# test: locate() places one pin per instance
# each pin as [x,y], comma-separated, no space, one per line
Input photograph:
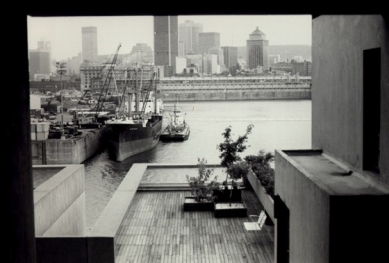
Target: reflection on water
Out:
[277,125]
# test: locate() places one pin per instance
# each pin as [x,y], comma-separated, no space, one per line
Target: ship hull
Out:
[126,140]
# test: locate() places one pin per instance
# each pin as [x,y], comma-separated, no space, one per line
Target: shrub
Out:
[201,189]
[260,165]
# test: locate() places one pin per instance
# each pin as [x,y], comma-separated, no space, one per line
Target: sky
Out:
[64,33]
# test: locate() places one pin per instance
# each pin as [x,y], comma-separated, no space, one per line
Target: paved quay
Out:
[156,229]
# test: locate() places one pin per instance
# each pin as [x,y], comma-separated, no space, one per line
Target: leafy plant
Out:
[230,150]
[201,189]
[260,165]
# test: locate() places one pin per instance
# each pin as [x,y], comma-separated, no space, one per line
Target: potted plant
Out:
[261,178]
[230,159]
[202,197]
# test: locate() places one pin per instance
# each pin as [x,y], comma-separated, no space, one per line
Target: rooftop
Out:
[156,229]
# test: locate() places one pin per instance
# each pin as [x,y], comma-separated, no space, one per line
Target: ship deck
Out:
[156,229]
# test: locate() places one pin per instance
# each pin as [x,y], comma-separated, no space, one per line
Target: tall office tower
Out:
[39,63]
[257,50]
[46,46]
[230,56]
[220,57]
[188,34]
[208,40]
[89,44]
[166,41]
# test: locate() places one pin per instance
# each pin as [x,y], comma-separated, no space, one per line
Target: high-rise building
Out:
[208,40]
[188,34]
[257,50]
[230,55]
[220,56]
[39,63]
[89,44]
[46,46]
[165,41]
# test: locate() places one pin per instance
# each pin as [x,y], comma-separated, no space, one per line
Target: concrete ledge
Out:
[264,198]
[57,199]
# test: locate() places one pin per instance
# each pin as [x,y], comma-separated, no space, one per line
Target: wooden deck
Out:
[156,229]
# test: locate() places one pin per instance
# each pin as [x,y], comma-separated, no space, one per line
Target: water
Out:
[277,125]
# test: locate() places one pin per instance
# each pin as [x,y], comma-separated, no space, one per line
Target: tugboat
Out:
[177,129]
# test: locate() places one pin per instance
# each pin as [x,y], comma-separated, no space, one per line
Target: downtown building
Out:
[257,50]
[166,42]
[89,44]
[39,64]
[230,55]
[208,40]
[188,37]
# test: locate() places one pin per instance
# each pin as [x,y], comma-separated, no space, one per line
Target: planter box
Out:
[265,199]
[191,204]
[237,209]
[223,195]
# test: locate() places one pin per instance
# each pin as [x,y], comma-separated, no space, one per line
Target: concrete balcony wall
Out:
[337,86]
[59,203]
[333,217]
[309,208]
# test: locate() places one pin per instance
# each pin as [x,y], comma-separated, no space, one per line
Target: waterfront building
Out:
[208,40]
[188,34]
[257,50]
[39,64]
[230,55]
[89,44]
[165,41]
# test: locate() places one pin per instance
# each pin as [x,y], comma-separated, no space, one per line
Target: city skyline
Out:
[65,36]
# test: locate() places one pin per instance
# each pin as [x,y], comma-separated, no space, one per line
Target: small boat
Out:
[177,129]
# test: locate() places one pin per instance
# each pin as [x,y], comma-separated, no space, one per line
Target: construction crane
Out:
[107,82]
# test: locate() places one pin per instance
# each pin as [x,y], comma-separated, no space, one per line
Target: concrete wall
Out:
[309,226]
[69,151]
[59,203]
[337,86]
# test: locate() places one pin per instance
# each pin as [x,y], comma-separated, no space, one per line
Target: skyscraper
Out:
[46,46]
[257,50]
[39,63]
[89,44]
[188,34]
[230,56]
[165,40]
[208,40]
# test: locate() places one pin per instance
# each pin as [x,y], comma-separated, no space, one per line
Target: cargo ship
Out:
[137,125]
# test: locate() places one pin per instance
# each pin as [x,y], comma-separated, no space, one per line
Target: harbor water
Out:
[284,124]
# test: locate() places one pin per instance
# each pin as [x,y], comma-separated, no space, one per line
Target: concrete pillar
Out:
[17,180]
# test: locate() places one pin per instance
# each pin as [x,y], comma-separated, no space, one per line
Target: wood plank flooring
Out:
[156,229]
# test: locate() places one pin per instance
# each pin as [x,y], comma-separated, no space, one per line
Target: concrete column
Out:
[17,183]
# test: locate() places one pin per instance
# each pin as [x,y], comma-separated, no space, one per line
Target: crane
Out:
[107,82]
